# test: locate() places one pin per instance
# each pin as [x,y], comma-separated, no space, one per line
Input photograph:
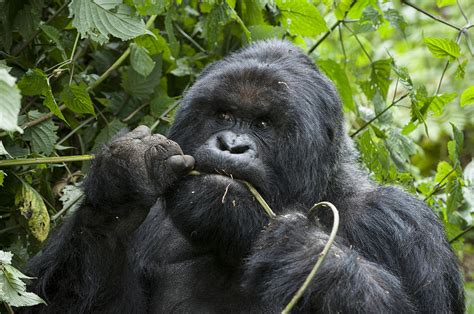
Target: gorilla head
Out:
[266,115]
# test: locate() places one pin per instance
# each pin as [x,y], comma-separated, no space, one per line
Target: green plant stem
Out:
[44,160]
[360,43]
[458,39]
[378,115]
[461,234]
[439,185]
[322,256]
[252,190]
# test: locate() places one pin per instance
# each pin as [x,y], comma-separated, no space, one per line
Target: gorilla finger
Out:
[180,164]
[139,132]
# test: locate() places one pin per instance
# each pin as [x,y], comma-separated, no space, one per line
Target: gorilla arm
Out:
[384,260]
[86,268]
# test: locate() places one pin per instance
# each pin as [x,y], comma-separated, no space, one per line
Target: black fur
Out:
[267,115]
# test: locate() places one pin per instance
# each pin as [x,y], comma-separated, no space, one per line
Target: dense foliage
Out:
[73,73]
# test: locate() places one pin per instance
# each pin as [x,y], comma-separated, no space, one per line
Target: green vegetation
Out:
[73,73]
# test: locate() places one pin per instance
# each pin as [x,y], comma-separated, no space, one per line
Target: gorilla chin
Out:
[217,214]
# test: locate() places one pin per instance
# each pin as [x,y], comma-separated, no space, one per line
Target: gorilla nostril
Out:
[239,149]
[221,144]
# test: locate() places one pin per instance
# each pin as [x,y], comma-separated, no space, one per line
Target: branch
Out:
[430,15]
[378,115]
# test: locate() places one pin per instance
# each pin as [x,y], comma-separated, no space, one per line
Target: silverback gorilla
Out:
[151,239]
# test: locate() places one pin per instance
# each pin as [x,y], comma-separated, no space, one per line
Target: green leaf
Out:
[396,20]
[140,60]
[151,7]
[137,85]
[338,75]
[467,97]
[54,34]
[2,177]
[443,3]
[155,45]
[32,208]
[77,99]
[35,82]
[10,102]
[41,136]
[301,18]
[107,133]
[440,101]
[261,32]
[213,25]
[97,19]
[13,289]
[443,47]
[443,172]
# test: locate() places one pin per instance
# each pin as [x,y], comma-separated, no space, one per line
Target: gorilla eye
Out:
[224,116]
[261,124]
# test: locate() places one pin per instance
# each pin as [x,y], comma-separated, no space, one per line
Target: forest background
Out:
[73,73]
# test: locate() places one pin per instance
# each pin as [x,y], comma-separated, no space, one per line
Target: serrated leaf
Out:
[396,20]
[32,208]
[77,99]
[467,97]
[443,47]
[10,102]
[301,18]
[13,289]
[71,198]
[98,19]
[440,101]
[137,85]
[443,172]
[35,82]
[54,34]
[337,74]
[140,60]
[5,257]
[41,136]
[107,133]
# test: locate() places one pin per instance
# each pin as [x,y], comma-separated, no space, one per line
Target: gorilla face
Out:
[267,116]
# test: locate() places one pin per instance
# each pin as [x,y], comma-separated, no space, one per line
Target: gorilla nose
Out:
[235,144]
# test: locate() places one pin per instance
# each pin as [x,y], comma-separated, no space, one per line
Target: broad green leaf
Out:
[140,60]
[443,172]
[261,32]
[107,133]
[461,70]
[443,3]
[32,208]
[379,79]
[443,47]
[2,177]
[213,25]
[252,12]
[467,97]
[54,34]
[401,147]
[97,19]
[10,102]
[137,85]
[35,82]
[440,101]
[42,136]
[338,75]
[301,18]
[77,99]
[13,289]
[156,45]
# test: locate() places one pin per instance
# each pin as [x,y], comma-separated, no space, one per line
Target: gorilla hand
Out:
[133,171]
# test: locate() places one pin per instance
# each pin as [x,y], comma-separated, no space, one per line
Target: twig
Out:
[360,43]
[430,15]
[378,115]
[438,185]
[322,256]
[168,110]
[33,36]
[182,32]
[462,12]
[72,57]
[44,160]
[461,234]
[458,39]
[333,27]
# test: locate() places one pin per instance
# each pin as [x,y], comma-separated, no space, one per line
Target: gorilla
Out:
[149,238]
